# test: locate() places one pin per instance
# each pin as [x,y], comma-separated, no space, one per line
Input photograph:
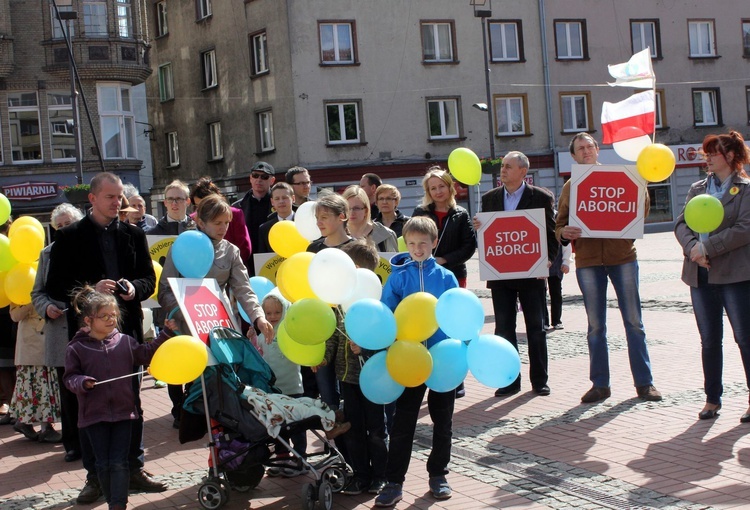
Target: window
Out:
[124,26]
[203,9]
[166,85]
[747,102]
[265,131]
[645,33]
[173,149]
[337,45]
[511,115]
[342,122]
[506,41]
[117,120]
[259,51]
[702,43]
[95,18]
[25,131]
[210,79]
[162,28]
[58,33]
[570,40]
[745,38]
[61,125]
[576,112]
[214,134]
[706,107]
[661,112]
[443,118]
[437,42]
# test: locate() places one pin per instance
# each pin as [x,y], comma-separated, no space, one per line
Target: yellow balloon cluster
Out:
[291,278]
[19,256]
[286,240]
[179,360]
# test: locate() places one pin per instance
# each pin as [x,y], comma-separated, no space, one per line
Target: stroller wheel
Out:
[325,496]
[211,495]
[308,496]
[336,477]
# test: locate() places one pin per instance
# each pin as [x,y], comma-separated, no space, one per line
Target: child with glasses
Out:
[106,409]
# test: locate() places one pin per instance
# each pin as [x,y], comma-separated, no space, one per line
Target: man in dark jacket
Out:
[103,252]
[513,195]
[176,221]
[256,204]
[282,198]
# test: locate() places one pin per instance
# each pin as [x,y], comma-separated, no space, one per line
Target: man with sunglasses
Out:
[176,202]
[299,179]
[256,204]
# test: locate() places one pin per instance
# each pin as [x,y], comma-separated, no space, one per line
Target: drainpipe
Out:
[548,93]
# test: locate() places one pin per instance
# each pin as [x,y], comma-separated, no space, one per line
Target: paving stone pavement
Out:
[524,451]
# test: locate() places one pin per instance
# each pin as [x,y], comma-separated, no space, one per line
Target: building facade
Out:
[345,88]
[38,129]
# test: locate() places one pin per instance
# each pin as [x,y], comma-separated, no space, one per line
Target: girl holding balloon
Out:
[715,241]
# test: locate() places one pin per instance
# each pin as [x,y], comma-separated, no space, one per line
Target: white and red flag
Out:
[629,118]
[636,72]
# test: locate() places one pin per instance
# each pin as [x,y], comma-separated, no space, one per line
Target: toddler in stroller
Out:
[235,399]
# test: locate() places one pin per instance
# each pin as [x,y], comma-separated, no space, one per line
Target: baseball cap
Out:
[262,166]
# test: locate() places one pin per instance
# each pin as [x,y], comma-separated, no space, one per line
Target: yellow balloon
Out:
[280,284]
[286,240]
[294,281]
[157,270]
[465,166]
[25,220]
[409,363]
[18,283]
[305,355]
[4,299]
[26,243]
[415,317]
[179,360]
[655,162]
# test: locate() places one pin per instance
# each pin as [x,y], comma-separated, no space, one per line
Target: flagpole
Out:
[651,68]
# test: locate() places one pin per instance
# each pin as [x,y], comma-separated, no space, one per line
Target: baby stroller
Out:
[240,445]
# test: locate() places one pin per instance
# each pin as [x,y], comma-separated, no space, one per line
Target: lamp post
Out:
[483,10]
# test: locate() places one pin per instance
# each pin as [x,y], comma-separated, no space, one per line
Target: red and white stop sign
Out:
[203,305]
[512,244]
[607,201]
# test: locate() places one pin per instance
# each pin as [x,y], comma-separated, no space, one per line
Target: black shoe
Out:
[542,391]
[72,456]
[376,486]
[90,492]
[508,390]
[460,391]
[709,414]
[142,481]
[176,423]
[745,418]
[355,487]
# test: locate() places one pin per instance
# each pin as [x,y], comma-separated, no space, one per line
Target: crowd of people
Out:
[85,323]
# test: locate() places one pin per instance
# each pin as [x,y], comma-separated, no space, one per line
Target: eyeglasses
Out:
[356,209]
[303,183]
[264,177]
[707,155]
[108,317]
[175,200]
[386,199]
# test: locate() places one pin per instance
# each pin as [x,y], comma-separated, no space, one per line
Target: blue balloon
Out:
[261,286]
[376,383]
[449,365]
[370,324]
[193,254]
[493,361]
[460,314]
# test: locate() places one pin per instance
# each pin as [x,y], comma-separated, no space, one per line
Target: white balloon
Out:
[305,221]
[332,275]
[630,149]
[368,286]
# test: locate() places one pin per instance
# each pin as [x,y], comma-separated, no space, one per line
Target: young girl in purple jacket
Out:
[106,410]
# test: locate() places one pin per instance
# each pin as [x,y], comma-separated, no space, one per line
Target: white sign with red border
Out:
[204,305]
[607,201]
[512,245]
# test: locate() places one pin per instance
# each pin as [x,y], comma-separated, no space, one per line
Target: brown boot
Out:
[338,429]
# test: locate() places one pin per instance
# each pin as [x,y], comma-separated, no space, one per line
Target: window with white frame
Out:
[660,121]
[25,130]
[336,43]
[57,32]
[342,122]
[706,107]
[437,41]
[575,110]
[644,33]
[746,38]
[2,162]
[443,118]
[702,42]
[265,131]
[162,27]
[166,84]
[210,79]
[117,120]
[61,125]
[124,23]
[505,41]
[203,8]
[259,52]
[173,149]
[95,18]
[570,39]
[216,150]
[511,115]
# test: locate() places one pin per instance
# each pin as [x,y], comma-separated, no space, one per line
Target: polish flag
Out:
[633,115]
[636,72]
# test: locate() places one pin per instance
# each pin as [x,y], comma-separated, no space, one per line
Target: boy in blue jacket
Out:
[418,271]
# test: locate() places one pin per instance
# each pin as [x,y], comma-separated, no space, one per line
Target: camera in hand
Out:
[121,288]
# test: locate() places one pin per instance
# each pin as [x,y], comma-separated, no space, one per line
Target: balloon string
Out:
[121,377]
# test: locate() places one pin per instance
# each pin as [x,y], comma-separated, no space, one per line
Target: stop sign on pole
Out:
[512,244]
[607,201]
[203,305]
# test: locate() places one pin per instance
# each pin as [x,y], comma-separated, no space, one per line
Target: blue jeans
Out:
[111,443]
[593,284]
[709,302]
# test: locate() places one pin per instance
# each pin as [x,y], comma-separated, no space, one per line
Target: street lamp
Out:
[483,10]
